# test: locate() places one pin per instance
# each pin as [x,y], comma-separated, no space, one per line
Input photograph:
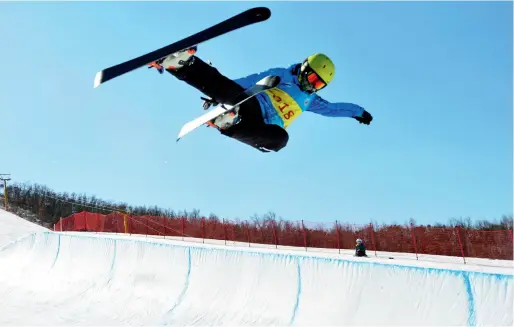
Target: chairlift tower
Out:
[4,178]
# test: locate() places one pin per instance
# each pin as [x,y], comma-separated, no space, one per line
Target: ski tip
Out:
[261,13]
[98,79]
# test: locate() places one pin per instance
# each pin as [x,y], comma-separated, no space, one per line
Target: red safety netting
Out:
[488,244]
[289,233]
[440,241]
[349,233]
[175,226]
[214,229]
[319,235]
[394,239]
[407,239]
[262,232]
[113,223]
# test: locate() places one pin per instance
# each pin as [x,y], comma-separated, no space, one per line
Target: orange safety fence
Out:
[456,242]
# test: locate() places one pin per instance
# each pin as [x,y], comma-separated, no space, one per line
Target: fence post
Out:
[203,229]
[165,224]
[125,223]
[338,239]
[182,223]
[248,232]
[275,234]
[224,230]
[304,236]
[414,239]
[373,238]
[457,230]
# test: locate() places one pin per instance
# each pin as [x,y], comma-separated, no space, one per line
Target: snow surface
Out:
[13,227]
[55,278]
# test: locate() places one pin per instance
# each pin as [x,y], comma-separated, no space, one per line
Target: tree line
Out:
[49,206]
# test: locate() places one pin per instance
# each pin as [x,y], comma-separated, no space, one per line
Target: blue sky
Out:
[436,76]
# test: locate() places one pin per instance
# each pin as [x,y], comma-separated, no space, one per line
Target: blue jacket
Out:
[285,103]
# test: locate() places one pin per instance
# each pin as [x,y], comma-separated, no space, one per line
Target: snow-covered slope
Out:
[91,279]
[13,227]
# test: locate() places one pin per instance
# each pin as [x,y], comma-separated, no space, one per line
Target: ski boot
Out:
[174,61]
[226,120]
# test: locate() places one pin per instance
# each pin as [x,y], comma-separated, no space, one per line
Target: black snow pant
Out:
[251,129]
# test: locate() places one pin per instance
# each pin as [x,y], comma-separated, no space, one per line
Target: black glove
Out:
[366,118]
[208,102]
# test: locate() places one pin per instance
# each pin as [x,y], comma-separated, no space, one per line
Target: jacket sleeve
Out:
[339,109]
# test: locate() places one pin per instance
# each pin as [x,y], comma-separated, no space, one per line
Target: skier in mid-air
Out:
[261,121]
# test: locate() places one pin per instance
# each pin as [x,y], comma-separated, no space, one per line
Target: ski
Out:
[264,84]
[248,17]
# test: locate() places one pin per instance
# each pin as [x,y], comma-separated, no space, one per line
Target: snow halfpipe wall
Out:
[68,279]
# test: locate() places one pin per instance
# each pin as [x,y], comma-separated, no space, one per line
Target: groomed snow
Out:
[51,278]
[13,227]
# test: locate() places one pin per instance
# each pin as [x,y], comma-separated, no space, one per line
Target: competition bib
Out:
[286,107]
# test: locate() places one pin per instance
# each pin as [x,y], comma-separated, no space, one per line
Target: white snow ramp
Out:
[68,279]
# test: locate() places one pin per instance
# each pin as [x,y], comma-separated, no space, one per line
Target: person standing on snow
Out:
[262,120]
[360,248]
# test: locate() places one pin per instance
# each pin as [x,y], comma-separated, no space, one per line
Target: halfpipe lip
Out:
[428,266]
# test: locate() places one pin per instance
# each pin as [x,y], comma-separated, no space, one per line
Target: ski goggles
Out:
[309,79]
[315,81]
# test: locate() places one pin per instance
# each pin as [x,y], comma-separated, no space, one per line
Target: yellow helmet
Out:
[316,72]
